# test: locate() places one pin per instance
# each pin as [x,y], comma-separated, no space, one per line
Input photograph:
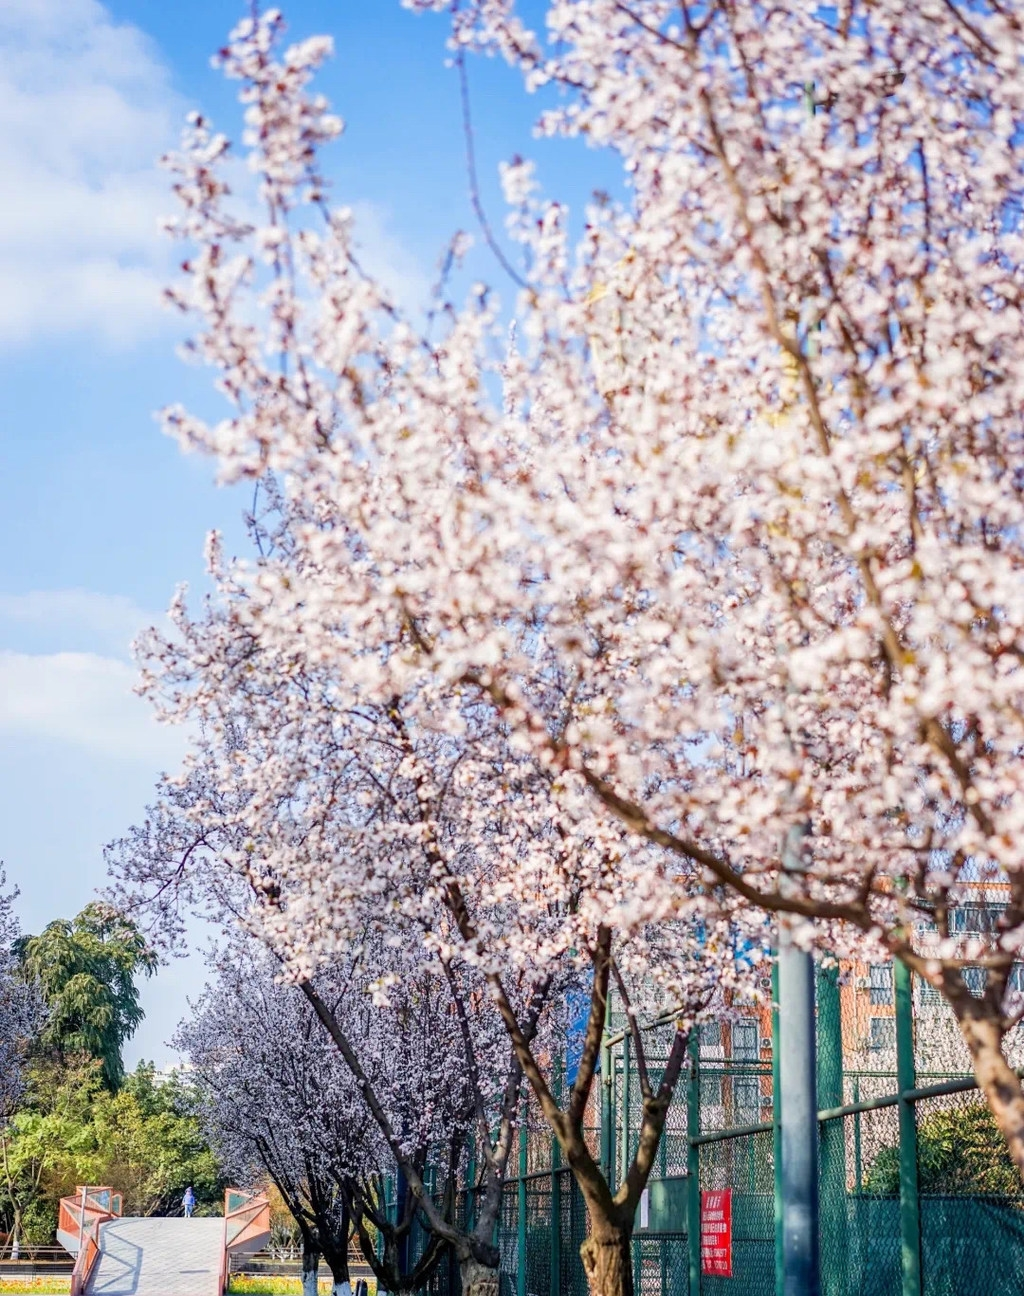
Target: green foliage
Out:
[143,1140]
[86,969]
[153,1148]
[959,1150]
[48,1145]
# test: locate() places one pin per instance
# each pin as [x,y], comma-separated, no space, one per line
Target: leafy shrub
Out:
[959,1150]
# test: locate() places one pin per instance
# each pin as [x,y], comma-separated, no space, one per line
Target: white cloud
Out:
[65,674]
[86,107]
[85,700]
[78,618]
[382,255]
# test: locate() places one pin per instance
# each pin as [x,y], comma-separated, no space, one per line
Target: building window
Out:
[710,1040]
[744,1042]
[883,1033]
[710,1089]
[1015,981]
[880,982]
[746,1096]
[975,919]
[975,979]
[928,995]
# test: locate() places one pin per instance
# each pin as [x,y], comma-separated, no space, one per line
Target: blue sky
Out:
[100,515]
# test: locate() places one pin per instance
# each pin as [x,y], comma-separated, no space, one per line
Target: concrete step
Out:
[159,1257]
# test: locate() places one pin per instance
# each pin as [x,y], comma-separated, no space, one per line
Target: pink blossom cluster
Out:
[568,628]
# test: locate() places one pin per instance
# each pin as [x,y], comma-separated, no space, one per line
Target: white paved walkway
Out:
[159,1257]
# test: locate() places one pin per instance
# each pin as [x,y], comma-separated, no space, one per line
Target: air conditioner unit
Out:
[765,982]
[766,1043]
[861,983]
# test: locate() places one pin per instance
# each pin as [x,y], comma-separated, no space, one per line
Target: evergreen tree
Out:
[86,969]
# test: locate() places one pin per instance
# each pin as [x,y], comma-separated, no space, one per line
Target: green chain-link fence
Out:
[918,1196]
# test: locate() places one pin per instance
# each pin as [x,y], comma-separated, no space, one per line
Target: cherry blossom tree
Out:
[729,534]
[343,817]
[272,1108]
[22,1015]
[21,1011]
[721,545]
[782,551]
[281,1105]
[415,1031]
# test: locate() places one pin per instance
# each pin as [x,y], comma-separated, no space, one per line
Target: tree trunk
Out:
[337,1262]
[478,1279]
[607,1261]
[310,1269]
[341,1285]
[997,1081]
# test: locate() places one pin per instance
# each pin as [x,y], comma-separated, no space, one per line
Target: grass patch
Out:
[40,1286]
[268,1285]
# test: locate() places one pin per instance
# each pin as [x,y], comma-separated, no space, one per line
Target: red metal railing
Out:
[78,1228]
[246,1226]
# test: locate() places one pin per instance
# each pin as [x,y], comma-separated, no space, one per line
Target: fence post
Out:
[798,1093]
[555,1285]
[386,1210]
[401,1203]
[776,1127]
[521,1208]
[624,1113]
[906,1079]
[832,1135]
[693,1165]
[798,1100]
[607,1080]
[471,1183]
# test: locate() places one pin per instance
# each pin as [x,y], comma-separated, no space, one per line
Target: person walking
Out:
[189,1202]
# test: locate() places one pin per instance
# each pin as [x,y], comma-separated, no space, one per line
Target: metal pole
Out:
[556,1189]
[834,1221]
[607,1151]
[389,1206]
[798,1104]
[906,1079]
[693,1167]
[521,1210]
[776,1125]
[471,1183]
[401,1205]
[798,1100]
[624,1128]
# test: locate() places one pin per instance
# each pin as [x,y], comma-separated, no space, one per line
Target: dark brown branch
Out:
[438,1223]
[600,957]
[652,1127]
[969,26]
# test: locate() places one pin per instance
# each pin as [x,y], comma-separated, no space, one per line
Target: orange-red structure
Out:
[246,1227]
[78,1227]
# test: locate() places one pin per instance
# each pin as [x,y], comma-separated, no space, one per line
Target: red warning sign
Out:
[716,1233]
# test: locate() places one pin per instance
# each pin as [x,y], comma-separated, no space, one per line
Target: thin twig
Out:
[474,187]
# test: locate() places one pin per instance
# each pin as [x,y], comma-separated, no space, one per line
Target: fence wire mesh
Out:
[918,1195]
